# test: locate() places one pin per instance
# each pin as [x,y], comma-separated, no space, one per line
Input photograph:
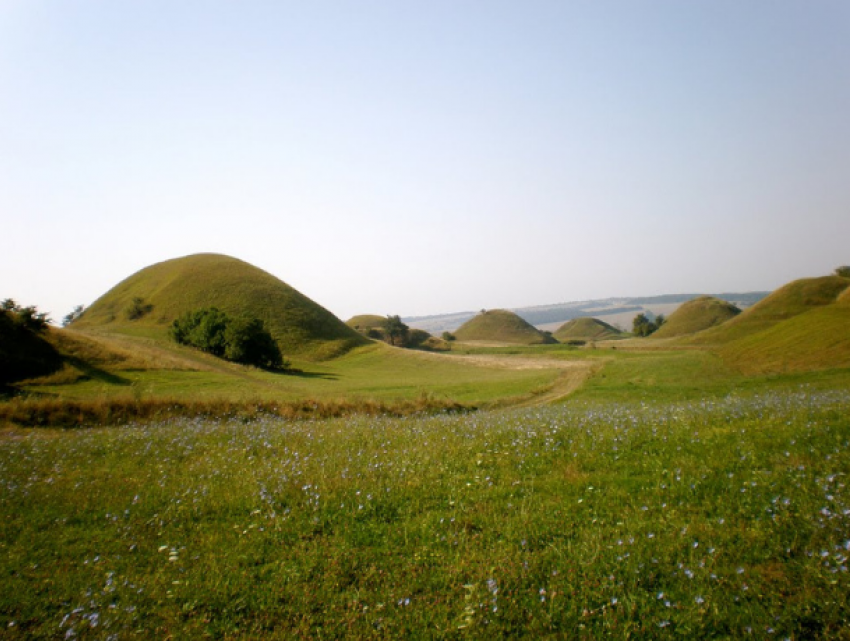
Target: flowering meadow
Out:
[720,518]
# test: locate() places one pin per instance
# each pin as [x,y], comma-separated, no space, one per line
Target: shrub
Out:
[138,308]
[242,340]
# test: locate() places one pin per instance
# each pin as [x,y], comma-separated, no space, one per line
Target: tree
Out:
[395,329]
[73,315]
[843,271]
[448,337]
[241,340]
[248,341]
[642,326]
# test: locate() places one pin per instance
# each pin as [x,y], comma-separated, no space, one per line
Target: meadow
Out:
[725,516]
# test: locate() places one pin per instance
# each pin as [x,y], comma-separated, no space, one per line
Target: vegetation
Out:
[712,519]
[175,287]
[394,330]
[242,340]
[24,352]
[499,325]
[636,492]
[696,315]
[73,315]
[786,302]
[643,326]
[843,271]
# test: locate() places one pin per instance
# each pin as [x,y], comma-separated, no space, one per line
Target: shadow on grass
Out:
[96,373]
[302,374]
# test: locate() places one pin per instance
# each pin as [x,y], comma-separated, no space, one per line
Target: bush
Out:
[138,308]
[241,340]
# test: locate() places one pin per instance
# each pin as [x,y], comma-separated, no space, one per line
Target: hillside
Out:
[153,297]
[816,339]
[586,329]
[795,298]
[696,315]
[502,326]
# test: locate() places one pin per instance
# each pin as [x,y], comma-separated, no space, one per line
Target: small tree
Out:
[395,329]
[248,341]
[642,326]
[448,337]
[73,315]
[843,271]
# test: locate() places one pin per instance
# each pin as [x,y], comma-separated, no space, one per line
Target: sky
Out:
[415,158]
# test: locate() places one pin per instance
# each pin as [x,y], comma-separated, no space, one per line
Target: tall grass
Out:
[721,518]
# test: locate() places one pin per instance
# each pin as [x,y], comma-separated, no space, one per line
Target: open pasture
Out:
[701,519]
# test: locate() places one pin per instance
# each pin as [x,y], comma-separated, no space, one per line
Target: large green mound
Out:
[696,315]
[791,300]
[502,326]
[156,295]
[586,329]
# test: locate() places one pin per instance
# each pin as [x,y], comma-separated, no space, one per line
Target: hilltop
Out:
[500,325]
[152,298]
[586,329]
[696,315]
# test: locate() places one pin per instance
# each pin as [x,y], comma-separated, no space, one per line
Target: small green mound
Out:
[502,326]
[696,315]
[364,322]
[586,329]
[786,302]
[157,295]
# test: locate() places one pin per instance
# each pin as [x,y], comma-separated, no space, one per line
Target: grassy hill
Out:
[502,326]
[795,298]
[365,322]
[152,298]
[586,329]
[817,339]
[696,315]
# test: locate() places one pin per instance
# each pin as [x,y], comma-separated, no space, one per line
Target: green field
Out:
[637,488]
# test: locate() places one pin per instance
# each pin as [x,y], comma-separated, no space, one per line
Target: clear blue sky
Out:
[410,158]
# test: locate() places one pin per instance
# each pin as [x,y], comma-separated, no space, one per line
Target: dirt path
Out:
[573,373]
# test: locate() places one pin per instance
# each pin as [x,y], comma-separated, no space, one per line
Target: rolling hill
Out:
[501,326]
[793,299]
[153,297]
[696,315]
[586,329]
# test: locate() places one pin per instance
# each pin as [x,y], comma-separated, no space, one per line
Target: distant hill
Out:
[364,322]
[156,295]
[696,315]
[552,316]
[502,326]
[586,329]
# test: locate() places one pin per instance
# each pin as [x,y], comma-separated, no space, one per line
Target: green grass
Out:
[502,326]
[374,372]
[176,286]
[702,520]
[786,302]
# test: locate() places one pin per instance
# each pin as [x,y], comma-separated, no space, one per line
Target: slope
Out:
[795,298]
[153,297]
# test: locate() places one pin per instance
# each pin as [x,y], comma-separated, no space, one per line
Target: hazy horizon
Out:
[398,158]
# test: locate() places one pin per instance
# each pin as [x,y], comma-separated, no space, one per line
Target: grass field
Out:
[705,519]
[617,493]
